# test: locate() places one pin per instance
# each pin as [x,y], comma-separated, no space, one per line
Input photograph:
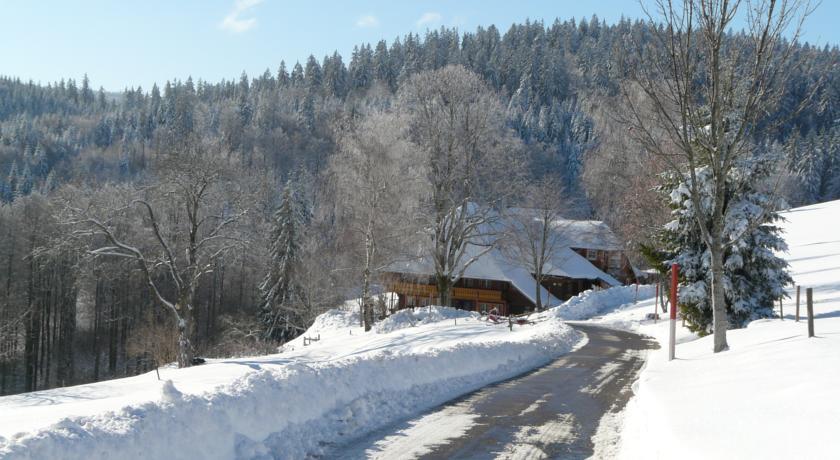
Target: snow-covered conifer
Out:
[754,276]
[280,311]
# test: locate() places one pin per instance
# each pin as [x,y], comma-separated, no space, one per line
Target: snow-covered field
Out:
[285,405]
[774,394]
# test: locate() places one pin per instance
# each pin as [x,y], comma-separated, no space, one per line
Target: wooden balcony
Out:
[427,290]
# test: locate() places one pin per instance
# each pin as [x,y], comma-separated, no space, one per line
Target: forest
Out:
[228,215]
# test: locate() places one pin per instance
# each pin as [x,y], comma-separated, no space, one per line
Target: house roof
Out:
[578,234]
[588,234]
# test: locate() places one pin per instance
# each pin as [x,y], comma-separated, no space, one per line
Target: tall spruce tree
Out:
[281,311]
[754,276]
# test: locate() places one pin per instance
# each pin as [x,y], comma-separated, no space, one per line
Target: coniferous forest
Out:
[221,212]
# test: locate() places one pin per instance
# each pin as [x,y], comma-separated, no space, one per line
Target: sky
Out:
[121,43]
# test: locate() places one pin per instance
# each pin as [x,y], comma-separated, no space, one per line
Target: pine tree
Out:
[24,183]
[281,314]
[12,182]
[282,75]
[754,277]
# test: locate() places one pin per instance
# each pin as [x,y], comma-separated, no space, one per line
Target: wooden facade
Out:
[468,294]
[612,262]
[565,288]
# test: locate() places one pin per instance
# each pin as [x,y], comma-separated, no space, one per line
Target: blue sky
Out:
[121,43]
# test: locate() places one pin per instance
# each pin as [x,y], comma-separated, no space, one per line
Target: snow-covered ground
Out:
[774,394]
[286,405]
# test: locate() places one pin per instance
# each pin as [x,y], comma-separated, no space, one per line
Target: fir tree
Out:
[754,277]
[281,313]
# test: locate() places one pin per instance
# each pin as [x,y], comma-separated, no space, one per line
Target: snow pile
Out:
[774,383]
[424,315]
[591,303]
[289,405]
[334,319]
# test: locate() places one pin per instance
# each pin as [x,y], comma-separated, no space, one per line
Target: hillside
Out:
[773,394]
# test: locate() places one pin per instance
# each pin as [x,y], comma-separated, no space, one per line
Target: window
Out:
[615,261]
[592,254]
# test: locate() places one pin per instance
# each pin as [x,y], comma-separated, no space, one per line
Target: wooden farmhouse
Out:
[590,256]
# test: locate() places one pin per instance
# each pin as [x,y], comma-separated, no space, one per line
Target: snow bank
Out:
[424,315]
[593,303]
[288,405]
[337,318]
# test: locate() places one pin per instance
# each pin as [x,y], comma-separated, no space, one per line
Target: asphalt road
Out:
[552,412]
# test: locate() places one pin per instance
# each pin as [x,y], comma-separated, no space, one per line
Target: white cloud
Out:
[367,21]
[234,22]
[429,18]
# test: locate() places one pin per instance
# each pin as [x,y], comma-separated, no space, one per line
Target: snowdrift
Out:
[288,405]
[424,315]
[591,303]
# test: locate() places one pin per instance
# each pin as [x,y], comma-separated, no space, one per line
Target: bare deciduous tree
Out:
[374,176]
[190,226]
[534,234]
[708,95]
[470,164]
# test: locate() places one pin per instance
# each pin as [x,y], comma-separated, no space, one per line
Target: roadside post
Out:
[809,300]
[672,345]
[656,304]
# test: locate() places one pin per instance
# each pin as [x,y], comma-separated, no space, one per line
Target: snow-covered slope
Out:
[774,394]
[285,405]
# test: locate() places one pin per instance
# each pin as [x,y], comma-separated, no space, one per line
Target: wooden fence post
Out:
[656,304]
[809,299]
[798,288]
[672,340]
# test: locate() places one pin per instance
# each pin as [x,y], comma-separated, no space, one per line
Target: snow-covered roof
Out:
[578,234]
[570,264]
[588,234]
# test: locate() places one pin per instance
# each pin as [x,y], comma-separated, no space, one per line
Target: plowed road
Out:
[552,412]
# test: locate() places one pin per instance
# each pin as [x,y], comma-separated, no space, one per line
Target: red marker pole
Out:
[672,345]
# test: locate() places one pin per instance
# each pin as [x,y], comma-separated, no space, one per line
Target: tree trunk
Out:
[97,323]
[185,351]
[444,286]
[112,335]
[186,327]
[367,305]
[719,322]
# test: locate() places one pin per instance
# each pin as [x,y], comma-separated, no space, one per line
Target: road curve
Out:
[552,412]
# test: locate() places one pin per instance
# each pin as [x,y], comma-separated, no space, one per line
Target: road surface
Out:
[552,412]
